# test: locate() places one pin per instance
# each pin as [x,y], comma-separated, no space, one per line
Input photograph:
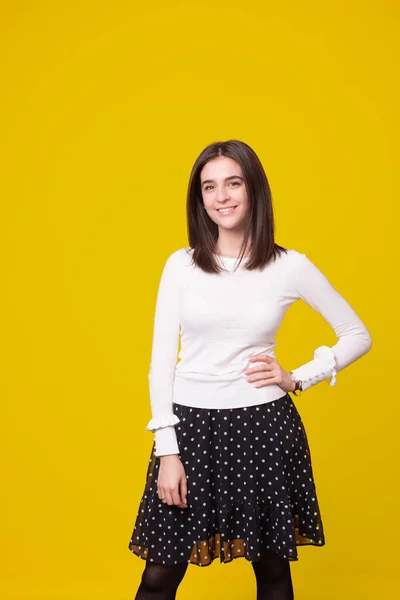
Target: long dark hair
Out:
[260,226]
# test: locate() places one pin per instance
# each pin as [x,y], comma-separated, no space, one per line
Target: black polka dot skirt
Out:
[250,486]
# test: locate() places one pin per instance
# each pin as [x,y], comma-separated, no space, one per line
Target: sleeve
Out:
[354,339]
[164,358]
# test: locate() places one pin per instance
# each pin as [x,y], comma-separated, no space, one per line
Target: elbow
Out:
[366,342]
[369,344]
[362,340]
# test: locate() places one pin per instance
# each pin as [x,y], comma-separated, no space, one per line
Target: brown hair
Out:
[260,227]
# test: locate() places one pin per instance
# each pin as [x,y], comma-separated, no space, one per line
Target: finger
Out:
[262,374]
[177,499]
[160,493]
[168,499]
[266,361]
[184,490]
[261,368]
[269,375]
[267,381]
[264,357]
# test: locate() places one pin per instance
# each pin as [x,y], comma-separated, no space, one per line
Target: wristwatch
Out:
[298,386]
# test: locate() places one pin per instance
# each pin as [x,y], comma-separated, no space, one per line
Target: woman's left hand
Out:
[268,373]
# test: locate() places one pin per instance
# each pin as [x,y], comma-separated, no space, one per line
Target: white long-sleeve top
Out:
[223,319]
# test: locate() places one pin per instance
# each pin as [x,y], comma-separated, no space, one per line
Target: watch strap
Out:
[298,386]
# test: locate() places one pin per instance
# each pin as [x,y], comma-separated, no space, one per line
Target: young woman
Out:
[230,472]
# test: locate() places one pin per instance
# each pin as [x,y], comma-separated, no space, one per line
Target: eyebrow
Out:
[226,179]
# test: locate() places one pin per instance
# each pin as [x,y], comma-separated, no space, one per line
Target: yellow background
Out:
[104,108]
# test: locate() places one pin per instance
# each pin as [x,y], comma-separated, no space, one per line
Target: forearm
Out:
[163,418]
[354,339]
[328,362]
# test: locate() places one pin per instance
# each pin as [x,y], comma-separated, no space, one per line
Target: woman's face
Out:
[223,186]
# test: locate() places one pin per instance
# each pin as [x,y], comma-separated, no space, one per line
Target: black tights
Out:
[160,582]
[274,581]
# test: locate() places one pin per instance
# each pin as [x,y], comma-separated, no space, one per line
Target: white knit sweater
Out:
[222,320]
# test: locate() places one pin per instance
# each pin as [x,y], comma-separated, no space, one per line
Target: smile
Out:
[227,210]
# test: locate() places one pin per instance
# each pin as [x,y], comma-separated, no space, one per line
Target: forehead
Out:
[219,168]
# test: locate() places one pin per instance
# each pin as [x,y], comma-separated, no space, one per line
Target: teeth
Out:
[227,209]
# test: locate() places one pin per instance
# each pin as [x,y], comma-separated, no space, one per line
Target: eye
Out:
[235,183]
[207,187]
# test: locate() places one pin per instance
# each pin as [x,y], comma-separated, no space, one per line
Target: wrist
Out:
[166,441]
[297,385]
[168,457]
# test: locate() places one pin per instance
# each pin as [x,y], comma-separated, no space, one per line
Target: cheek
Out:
[241,195]
[208,203]
[244,204]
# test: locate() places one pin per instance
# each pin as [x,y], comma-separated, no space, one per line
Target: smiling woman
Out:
[225,195]
[230,472]
[229,207]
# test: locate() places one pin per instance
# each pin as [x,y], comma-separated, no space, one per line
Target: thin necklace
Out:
[222,256]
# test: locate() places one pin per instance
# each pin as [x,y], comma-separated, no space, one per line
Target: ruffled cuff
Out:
[327,355]
[319,369]
[155,424]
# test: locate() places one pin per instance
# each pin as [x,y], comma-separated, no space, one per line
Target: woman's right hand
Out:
[172,483]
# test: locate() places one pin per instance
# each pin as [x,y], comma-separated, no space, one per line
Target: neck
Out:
[230,251]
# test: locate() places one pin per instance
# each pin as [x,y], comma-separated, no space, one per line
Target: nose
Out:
[221,194]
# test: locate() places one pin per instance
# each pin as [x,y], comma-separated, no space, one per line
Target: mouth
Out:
[226,210]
